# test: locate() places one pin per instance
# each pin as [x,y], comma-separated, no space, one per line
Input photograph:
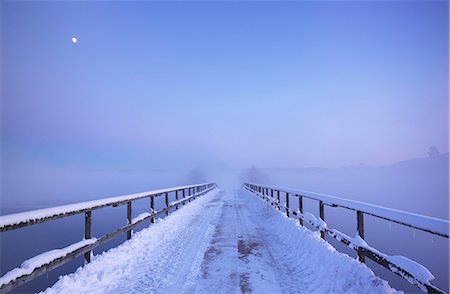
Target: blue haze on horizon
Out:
[176,84]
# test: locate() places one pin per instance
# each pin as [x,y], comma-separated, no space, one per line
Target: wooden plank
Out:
[360,229]
[167,202]
[87,233]
[278,196]
[287,204]
[271,196]
[129,218]
[152,206]
[322,217]
[300,208]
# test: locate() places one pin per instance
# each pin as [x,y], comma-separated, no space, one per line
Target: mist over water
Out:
[336,97]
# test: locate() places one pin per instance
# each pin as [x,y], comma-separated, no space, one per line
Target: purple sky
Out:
[177,84]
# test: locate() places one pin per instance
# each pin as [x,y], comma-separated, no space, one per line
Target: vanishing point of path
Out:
[223,242]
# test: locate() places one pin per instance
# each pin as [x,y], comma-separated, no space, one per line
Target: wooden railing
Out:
[434,226]
[182,195]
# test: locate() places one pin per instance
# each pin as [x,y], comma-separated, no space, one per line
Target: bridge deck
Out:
[225,242]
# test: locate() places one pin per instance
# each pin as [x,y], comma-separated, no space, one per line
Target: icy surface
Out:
[26,216]
[29,265]
[225,243]
[419,221]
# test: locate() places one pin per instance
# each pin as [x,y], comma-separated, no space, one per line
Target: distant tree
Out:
[433,151]
[254,175]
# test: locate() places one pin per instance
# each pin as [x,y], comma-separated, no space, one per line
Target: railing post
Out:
[184,192]
[322,217]
[167,203]
[287,204]
[278,197]
[360,228]
[87,233]
[271,196]
[152,206]
[129,217]
[300,208]
[176,199]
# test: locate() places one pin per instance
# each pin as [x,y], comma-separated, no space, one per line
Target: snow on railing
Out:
[410,270]
[52,259]
[421,222]
[11,221]
[29,265]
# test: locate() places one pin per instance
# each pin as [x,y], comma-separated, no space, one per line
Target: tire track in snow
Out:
[220,260]
[169,268]
[291,276]
[257,272]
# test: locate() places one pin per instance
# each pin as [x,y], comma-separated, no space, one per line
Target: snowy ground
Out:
[223,242]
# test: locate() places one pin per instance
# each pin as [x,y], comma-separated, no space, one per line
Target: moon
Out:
[74,40]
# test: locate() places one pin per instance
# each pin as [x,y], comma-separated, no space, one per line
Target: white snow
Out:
[23,217]
[140,217]
[416,220]
[417,270]
[226,243]
[319,223]
[414,268]
[29,265]
[359,242]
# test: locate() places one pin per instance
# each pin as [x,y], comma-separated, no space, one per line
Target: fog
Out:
[338,97]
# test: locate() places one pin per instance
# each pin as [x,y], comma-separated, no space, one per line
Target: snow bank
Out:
[29,265]
[38,214]
[328,270]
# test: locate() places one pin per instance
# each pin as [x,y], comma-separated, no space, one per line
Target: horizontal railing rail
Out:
[435,226]
[19,276]
[22,219]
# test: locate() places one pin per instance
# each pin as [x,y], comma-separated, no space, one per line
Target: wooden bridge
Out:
[223,242]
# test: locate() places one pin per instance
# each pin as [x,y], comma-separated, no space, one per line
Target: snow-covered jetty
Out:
[246,240]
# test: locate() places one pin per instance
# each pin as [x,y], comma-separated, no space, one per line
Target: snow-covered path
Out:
[224,242]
